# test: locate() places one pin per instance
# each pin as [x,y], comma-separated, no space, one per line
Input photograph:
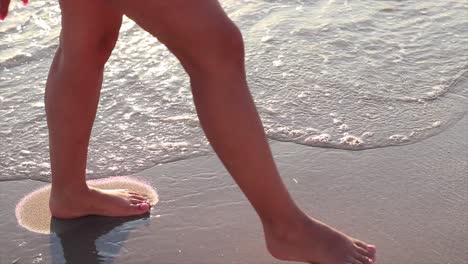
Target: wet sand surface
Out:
[411,201]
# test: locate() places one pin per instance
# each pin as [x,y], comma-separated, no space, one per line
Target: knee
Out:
[94,50]
[221,52]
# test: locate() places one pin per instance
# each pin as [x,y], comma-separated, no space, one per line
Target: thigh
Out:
[189,28]
[89,27]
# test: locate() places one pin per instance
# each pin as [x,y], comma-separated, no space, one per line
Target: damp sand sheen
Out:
[33,213]
[335,74]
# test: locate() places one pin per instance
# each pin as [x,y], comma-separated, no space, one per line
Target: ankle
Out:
[283,226]
[69,190]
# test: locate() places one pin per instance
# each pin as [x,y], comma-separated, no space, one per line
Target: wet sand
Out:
[411,201]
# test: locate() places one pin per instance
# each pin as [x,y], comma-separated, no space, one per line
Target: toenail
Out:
[142,206]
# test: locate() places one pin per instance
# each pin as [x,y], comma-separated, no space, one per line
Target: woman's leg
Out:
[89,31]
[210,48]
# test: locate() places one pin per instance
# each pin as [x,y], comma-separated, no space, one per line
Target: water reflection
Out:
[92,239]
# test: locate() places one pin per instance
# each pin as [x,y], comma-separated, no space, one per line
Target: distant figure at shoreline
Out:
[210,48]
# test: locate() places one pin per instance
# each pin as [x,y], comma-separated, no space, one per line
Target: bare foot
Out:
[94,201]
[314,242]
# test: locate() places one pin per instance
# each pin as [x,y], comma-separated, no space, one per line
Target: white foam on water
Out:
[319,139]
[343,127]
[339,74]
[355,69]
[351,140]
[398,138]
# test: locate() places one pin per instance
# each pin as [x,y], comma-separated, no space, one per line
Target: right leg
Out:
[210,48]
[90,29]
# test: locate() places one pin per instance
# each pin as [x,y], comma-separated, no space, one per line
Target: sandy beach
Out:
[411,201]
[364,104]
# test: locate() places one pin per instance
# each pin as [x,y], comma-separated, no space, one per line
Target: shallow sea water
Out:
[340,74]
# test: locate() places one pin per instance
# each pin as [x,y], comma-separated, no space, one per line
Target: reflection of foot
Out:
[314,242]
[94,201]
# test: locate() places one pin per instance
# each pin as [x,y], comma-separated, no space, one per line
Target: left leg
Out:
[90,29]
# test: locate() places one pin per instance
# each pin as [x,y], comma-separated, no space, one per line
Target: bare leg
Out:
[89,32]
[210,48]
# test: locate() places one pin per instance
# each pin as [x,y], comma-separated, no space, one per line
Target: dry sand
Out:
[411,201]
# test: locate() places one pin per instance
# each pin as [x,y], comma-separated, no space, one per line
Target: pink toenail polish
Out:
[143,206]
[25,2]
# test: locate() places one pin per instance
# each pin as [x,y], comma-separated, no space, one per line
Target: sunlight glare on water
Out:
[339,74]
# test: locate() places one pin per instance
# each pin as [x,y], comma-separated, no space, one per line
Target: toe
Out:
[136,201]
[361,244]
[368,248]
[363,259]
[135,193]
[138,197]
[365,252]
[140,207]
[372,249]
[143,207]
